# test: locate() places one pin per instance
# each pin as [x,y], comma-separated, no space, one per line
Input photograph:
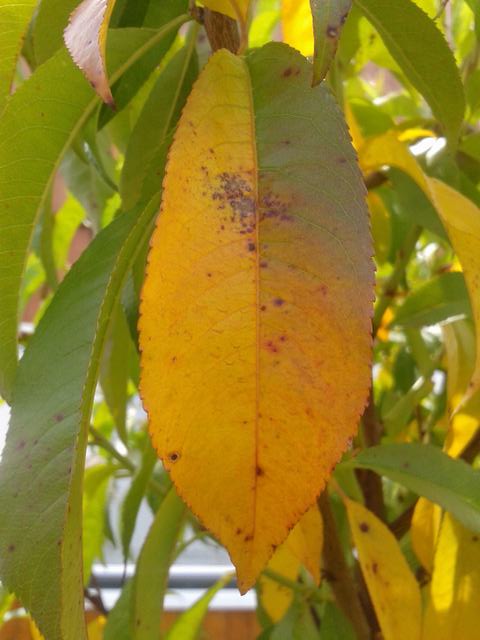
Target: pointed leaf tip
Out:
[85,38]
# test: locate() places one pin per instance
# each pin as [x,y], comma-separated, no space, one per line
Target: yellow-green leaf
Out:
[392,586]
[14,19]
[236,9]
[302,547]
[86,37]
[256,309]
[452,610]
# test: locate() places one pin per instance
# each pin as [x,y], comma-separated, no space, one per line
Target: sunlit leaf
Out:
[423,531]
[86,39]
[328,19]
[452,609]
[297,25]
[422,53]
[260,269]
[391,584]
[302,547]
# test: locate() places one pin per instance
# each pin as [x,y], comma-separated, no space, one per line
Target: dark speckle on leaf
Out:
[173,456]
[332,32]
[364,527]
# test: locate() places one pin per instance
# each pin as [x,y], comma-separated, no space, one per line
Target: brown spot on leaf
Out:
[11,548]
[173,456]
[20,445]
[332,31]
[259,472]
[271,346]
[287,72]
[375,567]
[251,246]
[248,538]
[278,302]
[58,417]
[364,527]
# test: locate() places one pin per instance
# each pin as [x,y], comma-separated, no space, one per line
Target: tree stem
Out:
[338,573]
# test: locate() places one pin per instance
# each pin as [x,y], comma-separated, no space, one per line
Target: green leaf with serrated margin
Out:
[422,53]
[429,472]
[55,102]
[328,18]
[39,531]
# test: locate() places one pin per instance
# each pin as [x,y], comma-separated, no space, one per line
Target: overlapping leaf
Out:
[55,99]
[257,302]
[328,19]
[86,39]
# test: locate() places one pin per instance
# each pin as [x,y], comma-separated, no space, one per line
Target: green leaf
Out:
[441,299]
[120,619]
[39,530]
[152,567]
[189,624]
[114,370]
[14,19]
[94,502]
[422,53]
[297,624]
[429,472]
[134,497]
[328,18]
[124,89]
[51,20]
[58,100]
[335,625]
[152,135]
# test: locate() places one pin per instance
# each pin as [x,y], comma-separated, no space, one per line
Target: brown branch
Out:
[221,30]
[336,571]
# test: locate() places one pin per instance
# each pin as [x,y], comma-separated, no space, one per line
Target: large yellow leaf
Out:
[236,9]
[394,591]
[86,37]
[302,547]
[452,610]
[297,25]
[256,309]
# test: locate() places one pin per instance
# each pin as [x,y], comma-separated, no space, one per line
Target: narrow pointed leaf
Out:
[424,469]
[328,19]
[189,624]
[392,586]
[152,135]
[151,576]
[422,53]
[260,268]
[41,521]
[86,39]
[57,99]
[14,19]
